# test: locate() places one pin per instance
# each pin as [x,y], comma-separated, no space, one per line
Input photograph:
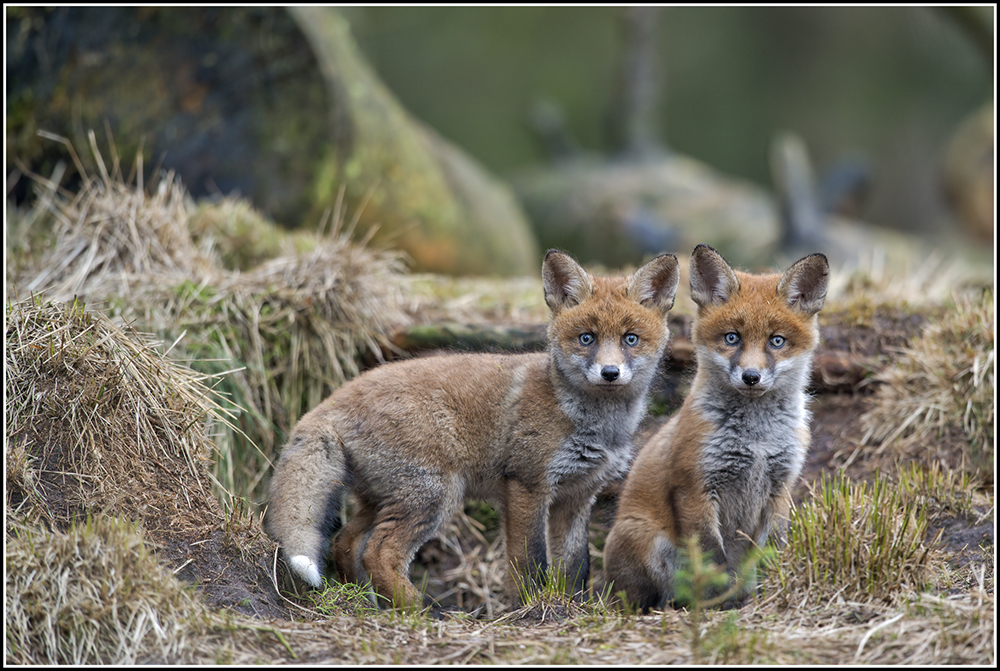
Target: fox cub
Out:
[723,466]
[538,434]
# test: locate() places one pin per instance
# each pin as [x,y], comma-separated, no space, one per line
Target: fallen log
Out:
[833,370]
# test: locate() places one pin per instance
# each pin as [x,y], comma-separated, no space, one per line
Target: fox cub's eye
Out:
[777,342]
[586,338]
[732,338]
[631,339]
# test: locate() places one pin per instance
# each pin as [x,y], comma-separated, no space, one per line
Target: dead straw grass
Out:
[943,386]
[287,333]
[109,232]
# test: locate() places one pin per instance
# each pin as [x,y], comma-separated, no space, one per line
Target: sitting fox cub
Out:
[722,468]
[539,434]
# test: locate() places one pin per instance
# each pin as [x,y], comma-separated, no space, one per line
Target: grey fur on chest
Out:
[755,444]
[600,448]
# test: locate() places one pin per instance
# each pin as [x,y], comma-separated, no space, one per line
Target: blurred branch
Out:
[633,119]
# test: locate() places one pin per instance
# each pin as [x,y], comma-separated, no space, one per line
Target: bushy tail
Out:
[306,492]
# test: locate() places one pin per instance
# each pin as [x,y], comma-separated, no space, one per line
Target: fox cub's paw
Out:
[306,569]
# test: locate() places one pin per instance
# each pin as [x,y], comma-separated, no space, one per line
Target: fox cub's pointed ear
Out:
[712,278]
[565,283]
[804,284]
[655,284]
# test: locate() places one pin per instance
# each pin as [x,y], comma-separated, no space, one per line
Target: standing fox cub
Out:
[539,434]
[723,467]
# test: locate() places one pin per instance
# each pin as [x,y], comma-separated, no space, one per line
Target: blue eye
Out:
[777,342]
[631,339]
[732,338]
[586,338]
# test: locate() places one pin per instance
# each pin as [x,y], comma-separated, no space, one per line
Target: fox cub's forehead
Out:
[756,310]
[609,311]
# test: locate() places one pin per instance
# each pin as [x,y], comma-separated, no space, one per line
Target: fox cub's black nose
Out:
[751,377]
[610,373]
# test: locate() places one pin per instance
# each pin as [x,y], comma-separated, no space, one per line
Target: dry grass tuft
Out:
[945,493]
[93,595]
[109,233]
[234,233]
[877,280]
[97,420]
[943,386]
[854,542]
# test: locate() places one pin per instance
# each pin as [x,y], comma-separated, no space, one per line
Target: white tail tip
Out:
[306,569]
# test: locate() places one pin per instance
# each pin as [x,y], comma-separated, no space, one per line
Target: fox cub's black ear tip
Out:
[702,249]
[818,257]
[555,251]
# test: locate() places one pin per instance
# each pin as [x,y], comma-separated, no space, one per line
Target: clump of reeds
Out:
[855,541]
[93,595]
[287,333]
[941,391]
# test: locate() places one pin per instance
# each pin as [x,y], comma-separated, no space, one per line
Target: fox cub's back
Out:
[538,434]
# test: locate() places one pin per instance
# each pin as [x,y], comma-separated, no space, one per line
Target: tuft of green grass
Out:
[551,597]
[944,492]
[856,541]
[343,599]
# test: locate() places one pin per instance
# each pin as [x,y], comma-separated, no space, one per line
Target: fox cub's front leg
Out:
[524,511]
[569,520]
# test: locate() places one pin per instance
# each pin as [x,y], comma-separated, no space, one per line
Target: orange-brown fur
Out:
[722,467]
[538,434]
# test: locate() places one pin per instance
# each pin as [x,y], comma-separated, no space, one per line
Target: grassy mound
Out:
[98,421]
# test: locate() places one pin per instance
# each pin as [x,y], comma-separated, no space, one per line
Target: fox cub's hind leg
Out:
[349,543]
[641,563]
[405,520]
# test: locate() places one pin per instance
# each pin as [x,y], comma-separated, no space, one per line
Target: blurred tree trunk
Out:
[432,200]
[235,101]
